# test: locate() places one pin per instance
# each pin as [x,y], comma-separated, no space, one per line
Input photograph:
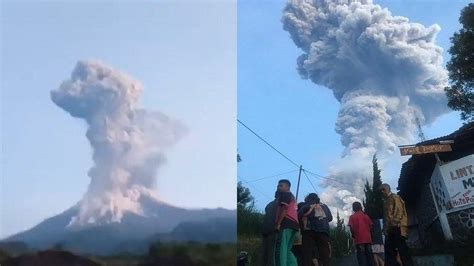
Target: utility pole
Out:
[298,186]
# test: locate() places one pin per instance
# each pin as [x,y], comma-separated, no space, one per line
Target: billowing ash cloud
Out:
[384,71]
[128,143]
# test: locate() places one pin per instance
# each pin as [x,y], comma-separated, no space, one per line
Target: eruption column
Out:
[128,143]
[384,70]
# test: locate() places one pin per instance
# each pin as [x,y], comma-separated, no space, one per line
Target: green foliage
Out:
[191,253]
[122,259]
[373,203]
[249,220]
[341,239]
[249,225]
[186,254]
[244,197]
[14,248]
[253,246]
[461,67]
[49,257]
[3,255]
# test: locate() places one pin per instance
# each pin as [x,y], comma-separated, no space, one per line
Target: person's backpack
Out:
[319,223]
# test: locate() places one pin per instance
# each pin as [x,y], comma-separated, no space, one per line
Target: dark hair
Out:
[312,198]
[277,194]
[385,186]
[286,181]
[300,205]
[356,206]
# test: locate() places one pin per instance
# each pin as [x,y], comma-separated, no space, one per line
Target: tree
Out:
[342,240]
[249,220]
[461,67]
[373,203]
[367,202]
[244,196]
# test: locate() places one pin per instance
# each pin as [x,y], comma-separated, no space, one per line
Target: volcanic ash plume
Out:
[128,143]
[384,71]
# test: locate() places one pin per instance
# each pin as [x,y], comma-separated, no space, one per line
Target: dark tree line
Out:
[373,203]
[461,67]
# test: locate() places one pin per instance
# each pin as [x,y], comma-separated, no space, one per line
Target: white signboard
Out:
[440,193]
[458,178]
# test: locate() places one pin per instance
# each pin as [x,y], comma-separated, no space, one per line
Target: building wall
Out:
[429,229]
[462,224]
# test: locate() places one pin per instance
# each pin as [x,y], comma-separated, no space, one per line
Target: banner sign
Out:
[458,177]
[410,150]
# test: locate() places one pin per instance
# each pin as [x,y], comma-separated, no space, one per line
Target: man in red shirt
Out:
[360,225]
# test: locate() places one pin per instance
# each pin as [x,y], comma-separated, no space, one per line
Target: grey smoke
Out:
[384,70]
[129,144]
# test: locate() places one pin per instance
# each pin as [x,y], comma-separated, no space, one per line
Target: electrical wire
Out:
[266,142]
[266,177]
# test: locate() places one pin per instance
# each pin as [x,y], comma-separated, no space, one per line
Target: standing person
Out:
[318,217]
[377,243]
[360,225]
[268,232]
[286,224]
[298,243]
[304,229]
[395,228]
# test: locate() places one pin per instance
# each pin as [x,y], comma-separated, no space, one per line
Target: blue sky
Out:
[183,52]
[292,113]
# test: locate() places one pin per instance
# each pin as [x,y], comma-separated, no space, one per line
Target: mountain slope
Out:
[132,231]
[209,231]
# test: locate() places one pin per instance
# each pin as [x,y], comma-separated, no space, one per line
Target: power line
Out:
[304,172]
[318,175]
[291,161]
[266,177]
[266,142]
[256,189]
[328,178]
